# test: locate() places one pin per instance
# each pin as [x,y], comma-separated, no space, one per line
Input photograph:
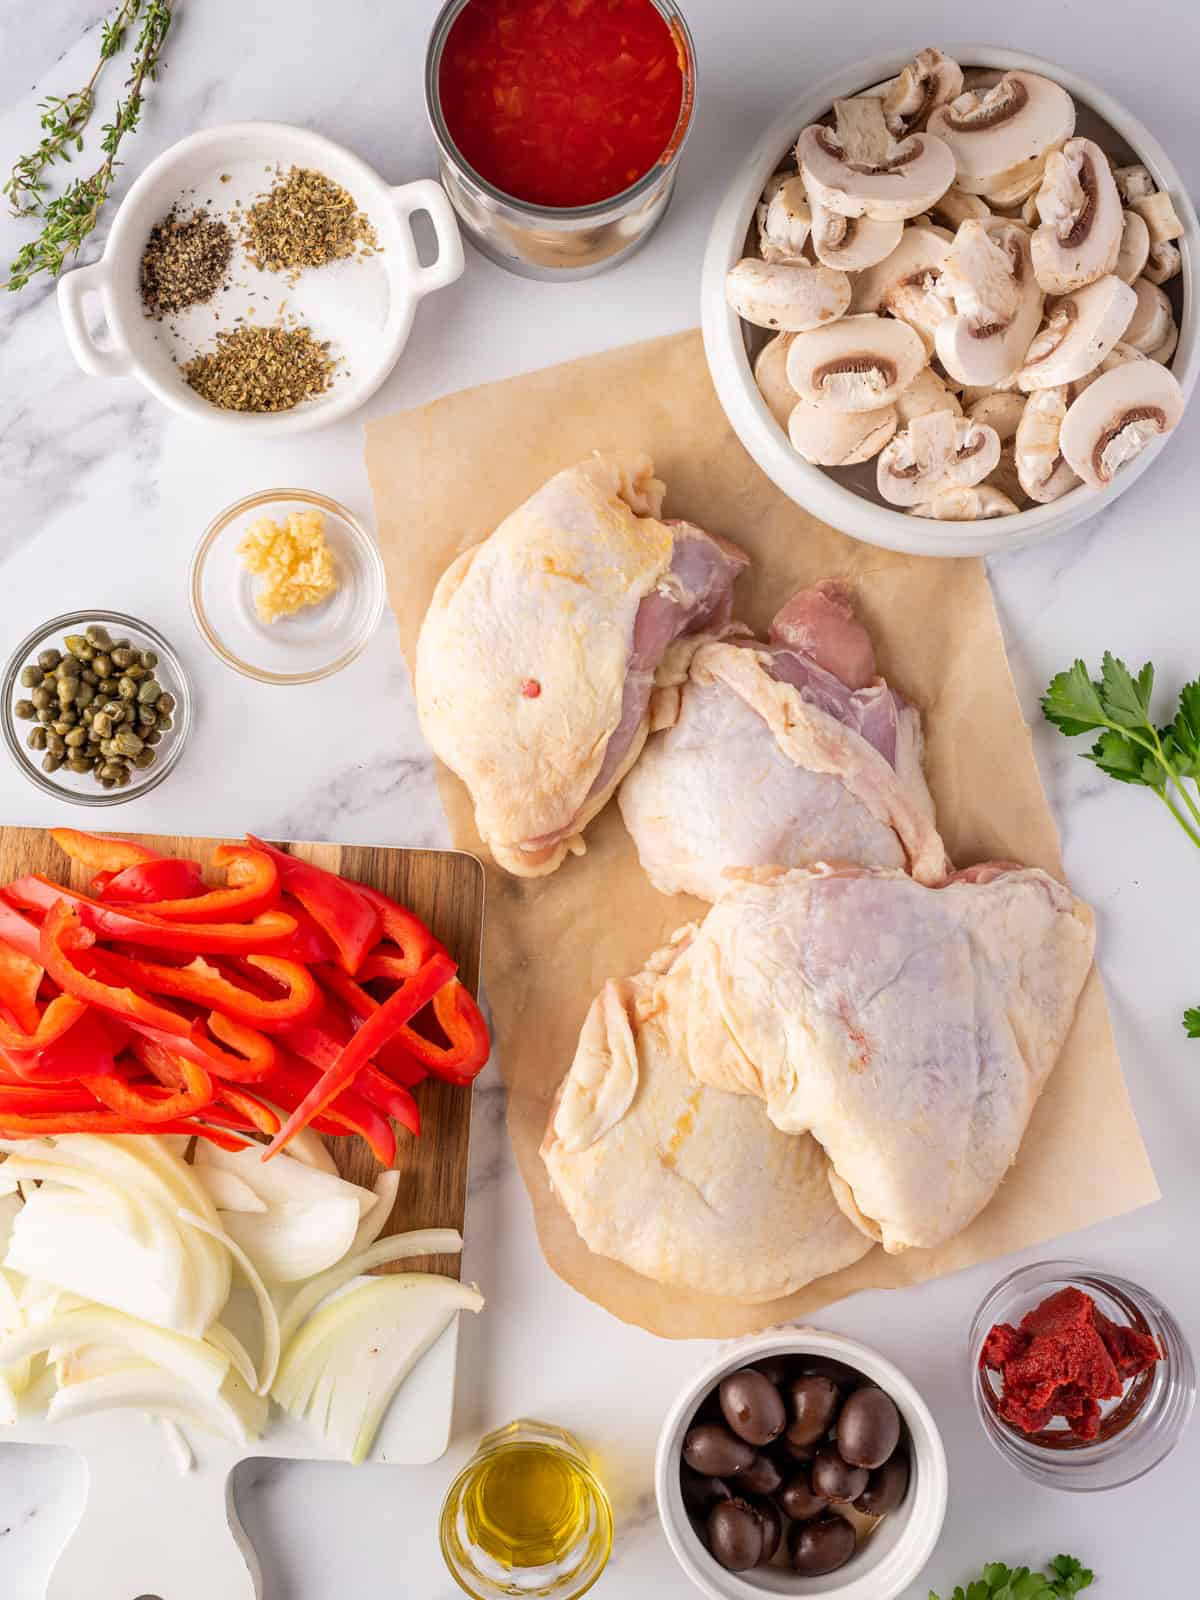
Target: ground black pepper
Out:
[184,262]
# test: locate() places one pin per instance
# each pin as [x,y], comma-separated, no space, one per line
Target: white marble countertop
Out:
[102,498]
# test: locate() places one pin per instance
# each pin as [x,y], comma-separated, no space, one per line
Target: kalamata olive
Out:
[735,1535]
[712,1450]
[827,1367]
[836,1479]
[772,1526]
[752,1406]
[762,1477]
[701,1493]
[797,1452]
[886,1487]
[868,1428]
[820,1546]
[814,1407]
[799,1499]
[774,1369]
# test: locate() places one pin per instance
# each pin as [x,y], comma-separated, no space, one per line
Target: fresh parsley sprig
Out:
[1131,748]
[1063,1578]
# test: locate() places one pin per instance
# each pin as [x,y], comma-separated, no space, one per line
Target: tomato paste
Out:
[561,102]
[1062,1361]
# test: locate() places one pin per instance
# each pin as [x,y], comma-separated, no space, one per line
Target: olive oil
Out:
[527,1516]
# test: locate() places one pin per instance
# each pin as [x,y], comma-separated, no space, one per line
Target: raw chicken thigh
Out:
[540,649]
[909,1030]
[782,754]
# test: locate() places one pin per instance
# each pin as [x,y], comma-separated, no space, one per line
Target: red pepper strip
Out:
[15,1126]
[257,1052]
[252,885]
[86,1048]
[391,1016]
[460,1019]
[308,944]
[99,853]
[415,944]
[340,909]
[137,927]
[19,933]
[63,1012]
[29,1097]
[293,1081]
[320,1041]
[153,1105]
[169,879]
[20,979]
[395,1061]
[208,987]
[261,1116]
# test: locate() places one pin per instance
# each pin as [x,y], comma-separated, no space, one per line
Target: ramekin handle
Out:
[427,195]
[113,361]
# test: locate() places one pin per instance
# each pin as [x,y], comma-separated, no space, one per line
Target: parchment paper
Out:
[443,477]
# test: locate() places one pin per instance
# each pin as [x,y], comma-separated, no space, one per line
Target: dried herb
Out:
[261,369]
[184,262]
[70,217]
[305,220]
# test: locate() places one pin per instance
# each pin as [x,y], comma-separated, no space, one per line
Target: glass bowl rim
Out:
[377,583]
[178,735]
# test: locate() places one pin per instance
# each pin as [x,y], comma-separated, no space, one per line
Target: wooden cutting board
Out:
[148,1528]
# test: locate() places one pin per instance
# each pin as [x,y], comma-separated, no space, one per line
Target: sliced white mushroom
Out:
[839,438]
[970,393]
[1080,235]
[1029,211]
[1167,348]
[1079,331]
[957,206]
[1008,193]
[1115,418]
[1041,470]
[791,295]
[1163,262]
[857,364]
[784,219]
[1133,183]
[1135,248]
[997,302]
[927,392]
[859,169]
[995,130]
[908,282]
[851,243]
[930,79]
[770,374]
[967,505]
[935,453]
[1151,320]
[1160,217]
[1002,410]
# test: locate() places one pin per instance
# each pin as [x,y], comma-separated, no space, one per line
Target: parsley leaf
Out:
[1065,1577]
[1191,1022]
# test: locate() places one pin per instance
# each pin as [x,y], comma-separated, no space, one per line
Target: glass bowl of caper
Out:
[96,707]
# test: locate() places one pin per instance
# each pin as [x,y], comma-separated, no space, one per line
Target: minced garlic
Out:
[293,560]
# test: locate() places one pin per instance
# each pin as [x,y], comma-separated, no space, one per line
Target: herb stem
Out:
[1179,816]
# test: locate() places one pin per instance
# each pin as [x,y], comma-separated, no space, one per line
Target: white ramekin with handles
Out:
[821,491]
[884,1564]
[132,346]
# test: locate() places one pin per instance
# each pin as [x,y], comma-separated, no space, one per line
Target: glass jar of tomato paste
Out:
[559,125]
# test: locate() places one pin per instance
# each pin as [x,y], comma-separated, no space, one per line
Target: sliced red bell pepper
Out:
[394,1060]
[252,886]
[137,927]
[308,944]
[463,1057]
[319,1041]
[346,915]
[20,979]
[398,1009]
[101,853]
[63,1012]
[155,1104]
[348,1112]
[207,986]
[170,878]
[36,1098]
[256,1052]
[90,1046]
[15,1126]
[259,1115]
[415,945]
[19,933]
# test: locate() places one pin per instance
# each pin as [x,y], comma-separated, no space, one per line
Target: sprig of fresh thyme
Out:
[70,217]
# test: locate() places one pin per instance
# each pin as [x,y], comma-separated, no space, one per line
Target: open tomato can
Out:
[553,240]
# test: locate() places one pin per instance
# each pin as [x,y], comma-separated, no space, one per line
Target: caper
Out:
[75,642]
[106,747]
[114,709]
[85,694]
[67,690]
[90,675]
[153,737]
[107,783]
[127,687]
[76,737]
[122,656]
[102,724]
[107,685]
[36,739]
[49,659]
[102,665]
[51,762]
[110,770]
[68,667]
[147,716]
[78,763]
[42,697]
[143,759]
[60,727]
[149,690]
[82,649]
[135,672]
[165,724]
[166,704]
[45,715]
[149,660]
[127,743]
[55,743]
[30,677]
[25,709]
[98,634]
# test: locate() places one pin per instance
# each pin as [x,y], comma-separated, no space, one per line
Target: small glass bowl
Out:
[317,641]
[1142,1427]
[80,788]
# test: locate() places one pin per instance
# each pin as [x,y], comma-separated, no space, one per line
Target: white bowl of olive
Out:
[96,707]
[801,1463]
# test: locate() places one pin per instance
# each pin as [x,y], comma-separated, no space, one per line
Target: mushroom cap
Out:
[1042,472]
[851,243]
[788,295]
[957,206]
[991,130]
[784,219]
[968,505]
[1160,217]
[857,364]
[930,79]
[937,452]
[1134,252]
[839,438]
[907,282]
[1010,191]
[1167,348]
[1151,320]
[859,169]
[1001,410]
[927,392]
[770,374]
[1082,220]
[997,302]
[1163,262]
[1116,417]
[1079,331]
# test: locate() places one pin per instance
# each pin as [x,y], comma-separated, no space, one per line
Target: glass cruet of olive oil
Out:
[527,1517]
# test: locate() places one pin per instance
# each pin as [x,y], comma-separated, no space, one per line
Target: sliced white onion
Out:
[228,1192]
[239,1357]
[283,1179]
[386,1188]
[164,1394]
[197,1364]
[266,1306]
[421,1242]
[177,1442]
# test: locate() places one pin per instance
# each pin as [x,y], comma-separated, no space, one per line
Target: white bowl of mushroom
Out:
[947,303]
